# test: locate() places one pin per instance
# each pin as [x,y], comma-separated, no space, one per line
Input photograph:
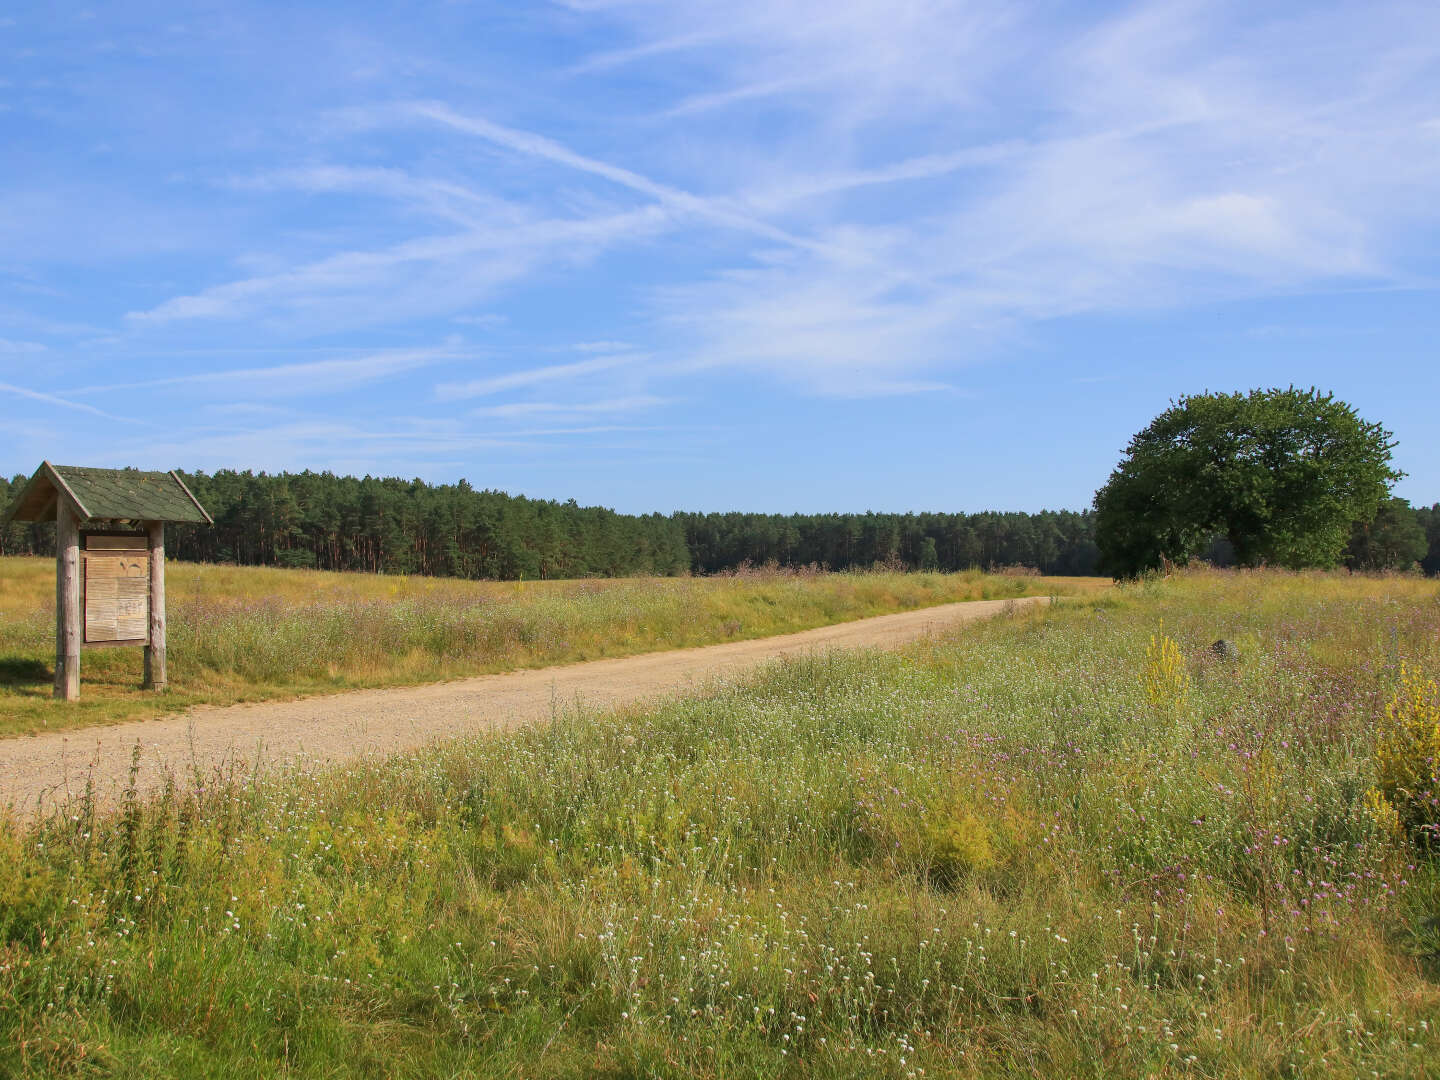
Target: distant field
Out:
[1076,842]
[246,633]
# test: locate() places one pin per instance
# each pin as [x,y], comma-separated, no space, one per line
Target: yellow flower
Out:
[1165,679]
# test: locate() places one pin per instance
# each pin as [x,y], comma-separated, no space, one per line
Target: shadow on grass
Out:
[18,672]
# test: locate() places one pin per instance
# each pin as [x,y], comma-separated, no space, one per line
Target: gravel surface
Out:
[38,770]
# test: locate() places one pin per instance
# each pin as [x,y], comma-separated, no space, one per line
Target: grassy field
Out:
[246,633]
[1076,842]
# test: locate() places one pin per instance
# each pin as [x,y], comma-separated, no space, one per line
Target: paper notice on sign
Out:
[117,592]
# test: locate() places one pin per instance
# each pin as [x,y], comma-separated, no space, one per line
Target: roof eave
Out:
[206,513]
[61,485]
[46,474]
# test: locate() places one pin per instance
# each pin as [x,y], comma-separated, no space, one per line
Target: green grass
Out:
[247,634]
[1029,850]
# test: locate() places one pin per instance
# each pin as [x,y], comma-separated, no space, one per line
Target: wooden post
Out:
[155,642]
[67,602]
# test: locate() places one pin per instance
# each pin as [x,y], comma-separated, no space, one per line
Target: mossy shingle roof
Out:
[106,494]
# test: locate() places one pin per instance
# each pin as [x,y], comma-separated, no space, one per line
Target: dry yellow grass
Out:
[247,633]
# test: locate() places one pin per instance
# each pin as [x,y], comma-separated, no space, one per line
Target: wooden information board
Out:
[109,559]
[117,591]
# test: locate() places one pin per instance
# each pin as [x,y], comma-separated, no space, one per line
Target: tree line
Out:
[1052,542]
[389,525]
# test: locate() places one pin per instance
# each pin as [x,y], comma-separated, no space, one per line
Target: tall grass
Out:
[242,633]
[1002,854]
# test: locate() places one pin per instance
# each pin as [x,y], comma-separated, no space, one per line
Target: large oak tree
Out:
[1281,474]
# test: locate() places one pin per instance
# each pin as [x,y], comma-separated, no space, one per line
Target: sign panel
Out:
[117,596]
[129,543]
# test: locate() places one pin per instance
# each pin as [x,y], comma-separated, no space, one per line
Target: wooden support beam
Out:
[155,647]
[67,601]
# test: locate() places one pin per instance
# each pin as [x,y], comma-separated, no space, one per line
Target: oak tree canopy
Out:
[1282,475]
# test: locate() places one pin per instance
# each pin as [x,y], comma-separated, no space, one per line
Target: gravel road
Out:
[37,770]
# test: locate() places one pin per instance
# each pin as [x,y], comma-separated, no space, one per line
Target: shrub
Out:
[1409,757]
[956,844]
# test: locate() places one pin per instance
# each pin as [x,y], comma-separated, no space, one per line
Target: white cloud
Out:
[604,61]
[720,99]
[318,444]
[63,403]
[715,211]
[442,198]
[524,409]
[409,446]
[289,379]
[867,55]
[418,278]
[602,346]
[494,384]
[20,348]
[241,409]
[802,187]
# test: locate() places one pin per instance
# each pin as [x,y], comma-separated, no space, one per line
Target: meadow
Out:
[249,633]
[1071,842]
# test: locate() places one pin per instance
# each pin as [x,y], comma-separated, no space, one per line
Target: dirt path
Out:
[39,769]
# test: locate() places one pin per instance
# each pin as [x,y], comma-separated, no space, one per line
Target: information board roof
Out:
[107,494]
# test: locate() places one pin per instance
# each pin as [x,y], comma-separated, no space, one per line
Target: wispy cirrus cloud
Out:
[1147,158]
[613,58]
[441,198]
[408,445]
[716,211]
[425,277]
[282,380]
[63,403]
[840,64]
[13,348]
[513,380]
[322,443]
[602,346]
[1159,157]
[524,410]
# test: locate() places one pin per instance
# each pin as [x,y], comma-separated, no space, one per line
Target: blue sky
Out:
[742,254]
